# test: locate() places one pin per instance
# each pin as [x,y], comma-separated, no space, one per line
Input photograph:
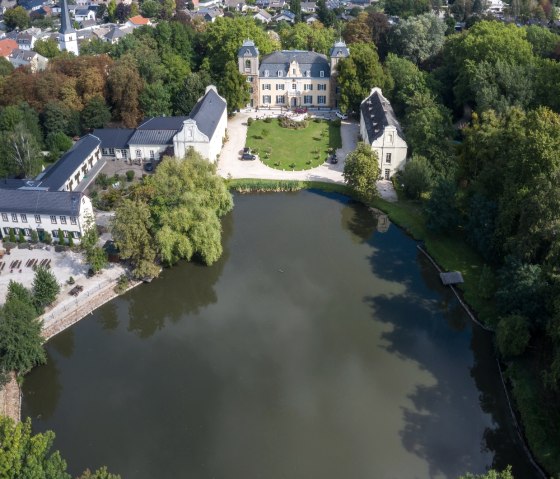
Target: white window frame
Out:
[53,220]
[14,218]
[37,218]
[4,216]
[308,99]
[63,220]
[322,100]
[73,220]
[388,158]
[23,217]
[322,74]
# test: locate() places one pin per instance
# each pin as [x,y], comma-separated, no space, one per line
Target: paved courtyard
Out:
[230,166]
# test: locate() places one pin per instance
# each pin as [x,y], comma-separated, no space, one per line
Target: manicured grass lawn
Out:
[286,149]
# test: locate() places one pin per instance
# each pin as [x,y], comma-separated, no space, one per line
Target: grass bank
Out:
[288,149]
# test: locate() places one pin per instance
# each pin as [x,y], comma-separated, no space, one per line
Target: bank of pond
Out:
[321,344]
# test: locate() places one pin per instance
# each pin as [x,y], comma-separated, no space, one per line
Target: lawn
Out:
[287,149]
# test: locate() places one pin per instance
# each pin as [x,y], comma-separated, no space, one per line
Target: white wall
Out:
[79,173]
[145,151]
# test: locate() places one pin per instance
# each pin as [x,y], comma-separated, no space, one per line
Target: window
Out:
[279,73]
[23,218]
[138,153]
[4,216]
[307,99]
[388,158]
[63,220]
[308,86]
[280,86]
[390,138]
[267,86]
[6,231]
[112,151]
[37,218]
[27,232]
[294,86]
[280,99]
[14,217]
[266,73]
[105,151]
[251,90]
[293,71]
[247,63]
[55,233]
[76,234]
[322,74]
[152,154]
[307,73]
[53,219]
[72,220]
[387,174]
[65,233]
[250,79]
[266,99]
[322,87]
[322,100]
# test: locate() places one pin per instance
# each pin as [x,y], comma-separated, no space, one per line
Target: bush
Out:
[250,121]
[337,123]
[286,122]
[102,180]
[61,237]
[71,280]
[122,284]
[45,288]
[34,236]
[70,240]
[417,177]
[12,236]
[47,238]
[129,175]
[268,119]
[21,237]
[513,335]
[442,215]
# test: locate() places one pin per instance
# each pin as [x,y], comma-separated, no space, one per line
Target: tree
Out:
[45,288]
[123,12]
[512,335]
[408,80]
[16,18]
[58,117]
[406,8]
[5,67]
[101,473]
[155,100]
[542,40]
[132,231]
[234,87]
[20,335]
[125,85]
[295,8]
[58,142]
[19,153]
[25,455]
[441,211]
[48,48]
[150,8]
[95,255]
[358,30]
[358,74]
[326,16]
[314,37]
[491,474]
[112,11]
[193,88]
[16,291]
[418,38]
[96,114]
[168,8]
[61,239]
[361,171]
[417,177]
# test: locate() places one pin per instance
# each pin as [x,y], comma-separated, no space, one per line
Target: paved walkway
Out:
[230,166]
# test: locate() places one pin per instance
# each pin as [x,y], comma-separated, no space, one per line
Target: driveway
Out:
[230,166]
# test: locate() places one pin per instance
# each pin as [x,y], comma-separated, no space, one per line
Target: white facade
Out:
[387,141]
[68,42]
[191,136]
[146,152]
[74,226]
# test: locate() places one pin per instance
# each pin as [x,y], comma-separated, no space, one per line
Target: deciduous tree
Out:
[45,288]
[361,171]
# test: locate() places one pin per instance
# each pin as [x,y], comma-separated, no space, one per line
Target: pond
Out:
[321,345]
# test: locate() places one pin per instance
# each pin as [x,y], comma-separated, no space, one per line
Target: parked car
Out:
[341,115]
[248,156]
[246,150]
[334,159]
[149,167]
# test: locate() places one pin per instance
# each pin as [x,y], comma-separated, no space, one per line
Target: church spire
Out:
[65,23]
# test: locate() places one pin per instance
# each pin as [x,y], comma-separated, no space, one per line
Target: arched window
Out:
[247,63]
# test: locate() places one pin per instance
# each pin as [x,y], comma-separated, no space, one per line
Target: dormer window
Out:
[266,73]
[322,74]
[279,73]
[293,71]
[247,63]
[307,73]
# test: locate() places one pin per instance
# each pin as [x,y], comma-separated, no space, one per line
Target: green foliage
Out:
[19,153]
[47,238]
[5,67]
[192,89]
[16,17]
[48,48]
[21,238]
[150,8]
[314,37]
[417,177]
[70,241]
[96,114]
[58,142]
[45,288]
[61,239]
[418,38]
[491,474]
[441,211]
[361,171]
[406,8]
[57,117]
[95,255]
[100,473]
[234,88]
[12,236]
[408,80]
[155,100]
[358,74]
[512,335]
[34,236]
[97,259]
[542,40]
[129,175]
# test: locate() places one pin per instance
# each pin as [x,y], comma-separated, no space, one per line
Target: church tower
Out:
[67,38]
[248,64]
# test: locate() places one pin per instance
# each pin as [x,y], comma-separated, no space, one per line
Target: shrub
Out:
[12,236]
[71,280]
[250,121]
[268,119]
[122,284]
[21,237]
[513,335]
[47,238]
[70,241]
[34,236]
[102,180]
[317,120]
[286,122]
[61,237]
[417,177]
[45,288]
[337,123]
[129,175]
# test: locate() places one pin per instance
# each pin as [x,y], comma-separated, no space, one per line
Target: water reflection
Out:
[44,383]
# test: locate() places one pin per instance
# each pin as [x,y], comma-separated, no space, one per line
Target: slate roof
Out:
[378,113]
[308,61]
[114,137]
[59,173]
[248,49]
[65,23]
[163,123]
[40,202]
[339,50]
[208,111]
[152,137]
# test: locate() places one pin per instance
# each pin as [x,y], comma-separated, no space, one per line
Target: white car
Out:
[342,116]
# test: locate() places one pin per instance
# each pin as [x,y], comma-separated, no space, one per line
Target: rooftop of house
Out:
[114,33]
[248,49]
[114,137]
[286,14]
[264,14]
[60,172]
[40,201]
[378,114]
[311,62]
[24,55]
[208,111]
[7,46]
[339,50]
